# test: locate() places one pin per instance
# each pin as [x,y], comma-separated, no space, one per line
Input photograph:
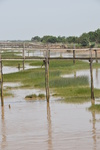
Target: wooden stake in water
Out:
[47,76]
[73,56]
[23,56]
[96,56]
[91,74]
[2,101]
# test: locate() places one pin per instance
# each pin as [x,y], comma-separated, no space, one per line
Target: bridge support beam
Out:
[73,56]
[96,55]
[47,76]
[91,74]
[2,101]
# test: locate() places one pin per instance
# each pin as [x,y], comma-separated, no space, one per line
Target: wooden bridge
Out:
[92,55]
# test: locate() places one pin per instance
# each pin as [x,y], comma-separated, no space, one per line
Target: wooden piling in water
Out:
[96,55]
[18,66]
[2,101]
[73,56]
[23,55]
[91,74]
[47,76]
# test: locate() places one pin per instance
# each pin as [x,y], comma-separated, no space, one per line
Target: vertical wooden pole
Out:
[47,76]
[23,56]
[96,56]
[91,74]
[2,101]
[73,56]
[28,53]
[18,66]
[49,53]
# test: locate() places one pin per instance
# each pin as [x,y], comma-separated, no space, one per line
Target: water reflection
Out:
[49,127]
[3,130]
[94,128]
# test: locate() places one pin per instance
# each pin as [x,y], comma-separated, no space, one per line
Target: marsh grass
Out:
[7,54]
[35,97]
[95,107]
[6,93]
[70,89]
[76,94]
[67,82]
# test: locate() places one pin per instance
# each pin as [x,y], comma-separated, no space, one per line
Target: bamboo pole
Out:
[91,74]
[2,101]
[47,76]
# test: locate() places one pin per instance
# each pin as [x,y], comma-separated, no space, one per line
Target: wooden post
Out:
[23,56]
[28,53]
[2,101]
[73,56]
[47,76]
[49,53]
[91,74]
[96,56]
[18,66]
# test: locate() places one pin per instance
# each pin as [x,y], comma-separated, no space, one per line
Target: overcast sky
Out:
[24,19]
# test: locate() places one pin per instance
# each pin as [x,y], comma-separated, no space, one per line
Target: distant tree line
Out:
[86,39]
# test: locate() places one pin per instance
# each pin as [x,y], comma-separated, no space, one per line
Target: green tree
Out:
[49,39]
[36,39]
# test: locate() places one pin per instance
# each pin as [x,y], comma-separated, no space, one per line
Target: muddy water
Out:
[35,125]
[8,69]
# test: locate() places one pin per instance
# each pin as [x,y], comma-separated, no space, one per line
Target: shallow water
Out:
[29,125]
[37,125]
[96,75]
[8,69]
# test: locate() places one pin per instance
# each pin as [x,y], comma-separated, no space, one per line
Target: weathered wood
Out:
[23,55]
[73,56]
[47,76]
[51,58]
[91,74]
[2,101]
[18,66]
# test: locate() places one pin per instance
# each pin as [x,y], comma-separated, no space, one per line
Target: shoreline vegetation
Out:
[71,90]
[35,97]
[95,108]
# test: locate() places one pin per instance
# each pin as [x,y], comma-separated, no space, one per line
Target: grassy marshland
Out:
[10,54]
[34,97]
[95,107]
[70,89]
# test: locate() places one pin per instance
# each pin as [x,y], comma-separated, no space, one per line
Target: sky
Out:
[24,19]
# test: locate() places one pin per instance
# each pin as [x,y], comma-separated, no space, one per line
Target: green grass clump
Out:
[79,94]
[34,96]
[9,54]
[31,96]
[41,96]
[95,107]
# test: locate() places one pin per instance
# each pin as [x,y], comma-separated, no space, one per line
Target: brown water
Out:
[35,125]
